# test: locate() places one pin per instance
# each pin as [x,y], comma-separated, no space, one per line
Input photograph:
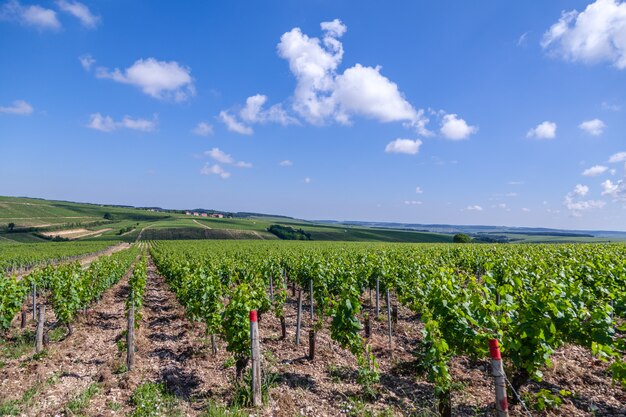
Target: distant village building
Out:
[217,215]
[196,214]
[204,215]
[188,213]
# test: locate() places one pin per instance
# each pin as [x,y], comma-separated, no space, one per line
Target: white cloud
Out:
[593,127]
[225,158]
[307,180]
[598,34]
[233,125]
[516,182]
[203,129]
[33,15]
[208,169]
[610,188]
[581,190]
[406,146]
[19,107]
[475,207]
[285,163]
[323,94]
[611,106]
[158,79]
[106,123]
[418,190]
[454,128]
[594,170]
[79,11]
[412,203]
[525,209]
[577,206]
[617,157]
[521,41]
[502,205]
[86,61]
[544,130]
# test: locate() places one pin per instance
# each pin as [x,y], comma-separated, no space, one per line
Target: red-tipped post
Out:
[257,400]
[502,403]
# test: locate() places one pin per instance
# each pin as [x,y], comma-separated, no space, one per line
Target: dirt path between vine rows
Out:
[90,355]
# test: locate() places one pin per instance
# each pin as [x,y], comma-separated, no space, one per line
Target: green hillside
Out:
[33,219]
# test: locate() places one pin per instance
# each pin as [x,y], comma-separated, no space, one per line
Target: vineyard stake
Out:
[371,302]
[23,322]
[213,344]
[311,297]
[271,288]
[368,326]
[34,301]
[130,339]
[389,316]
[257,400]
[311,345]
[377,297]
[40,324]
[299,317]
[502,404]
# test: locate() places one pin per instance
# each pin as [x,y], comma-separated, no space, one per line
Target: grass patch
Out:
[114,406]
[216,410]
[81,401]
[153,400]
[10,408]
[18,345]
[243,389]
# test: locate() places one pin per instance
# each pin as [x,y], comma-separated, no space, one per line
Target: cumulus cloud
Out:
[158,79]
[79,11]
[254,112]
[203,129]
[454,128]
[224,158]
[475,207]
[285,163]
[233,125]
[595,170]
[215,169]
[86,61]
[576,205]
[106,123]
[307,180]
[35,16]
[322,93]
[592,36]
[19,107]
[617,157]
[593,127]
[544,130]
[412,203]
[418,190]
[406,146]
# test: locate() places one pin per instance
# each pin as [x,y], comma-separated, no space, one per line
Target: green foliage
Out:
[80,402]
[153,400]
[288,232]
[137,288]
[461,238]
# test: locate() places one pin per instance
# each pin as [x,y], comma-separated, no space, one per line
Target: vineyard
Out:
[345,328]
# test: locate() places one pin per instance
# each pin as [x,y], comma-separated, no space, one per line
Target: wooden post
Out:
[271,288]
[23,321]
[377,297]
[389,316]
[299,318]
[213,344]
[394,313]
[502,404]
[283,328]
[130,339]
[311,297]
[257,399]
[34,301]
[368,326]
[311,345]
[371,302]
[40,325]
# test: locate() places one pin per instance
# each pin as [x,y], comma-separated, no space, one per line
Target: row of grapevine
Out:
[533,298]
[68,287]
[19,256]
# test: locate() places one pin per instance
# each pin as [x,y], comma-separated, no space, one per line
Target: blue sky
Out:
[427,112]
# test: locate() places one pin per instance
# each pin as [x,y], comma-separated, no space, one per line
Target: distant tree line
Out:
[288,232]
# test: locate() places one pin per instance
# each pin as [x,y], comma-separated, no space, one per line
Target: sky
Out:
[482,112]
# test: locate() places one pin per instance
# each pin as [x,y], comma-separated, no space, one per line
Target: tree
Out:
[108,216]
[462,238]
[10,226]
